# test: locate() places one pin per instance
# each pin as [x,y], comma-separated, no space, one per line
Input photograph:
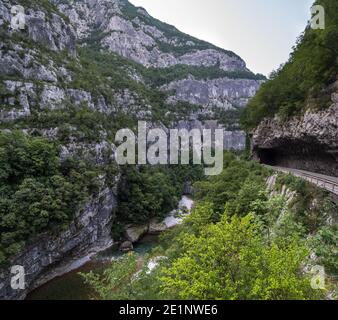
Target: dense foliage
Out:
[240,242]
[237,186]
[147,192]
[232,260]
[304,81]
[37,192]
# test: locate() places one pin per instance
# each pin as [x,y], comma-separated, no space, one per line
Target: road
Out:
[325,182]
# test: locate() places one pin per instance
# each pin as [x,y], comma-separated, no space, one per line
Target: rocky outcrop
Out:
[221,93]
[156,227]
[135,233]
[126,246]
[212,57]
[52,255]
[214,97]
[37,81]
[133,33]
[53,31]
[13,62]
[22,98]
[308,142]
[50,29]
[232,140]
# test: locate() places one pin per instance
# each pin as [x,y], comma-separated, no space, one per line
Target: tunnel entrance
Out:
[306,156]
[267,156]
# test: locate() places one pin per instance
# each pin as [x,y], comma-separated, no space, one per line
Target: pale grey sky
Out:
[262,32]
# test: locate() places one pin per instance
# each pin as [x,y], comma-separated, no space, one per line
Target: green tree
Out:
[37,192]
[231,260]
[113,283]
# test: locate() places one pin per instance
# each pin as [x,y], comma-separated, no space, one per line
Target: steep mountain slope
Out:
[294,116]
[117,26]
[131,32]
[78,72]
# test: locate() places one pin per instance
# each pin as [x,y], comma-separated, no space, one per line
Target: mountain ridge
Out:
[135,23]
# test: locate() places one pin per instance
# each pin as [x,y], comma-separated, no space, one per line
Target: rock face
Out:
[49,30]
[53,32]
[23,98]
[232,140]
[49,256]
[45,83]
[308,142]
[156,227]
[133,33]
[219,93]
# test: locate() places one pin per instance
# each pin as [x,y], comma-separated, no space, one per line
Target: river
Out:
[70,286]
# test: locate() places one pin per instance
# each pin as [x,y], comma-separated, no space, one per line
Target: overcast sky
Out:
[262,32]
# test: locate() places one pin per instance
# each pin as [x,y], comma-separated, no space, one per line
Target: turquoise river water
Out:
[70,286]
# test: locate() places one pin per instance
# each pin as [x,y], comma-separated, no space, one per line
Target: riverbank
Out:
[70,285]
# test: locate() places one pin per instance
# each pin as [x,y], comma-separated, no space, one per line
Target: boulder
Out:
[188,189]
[156,227]
[126,246]
[135,233]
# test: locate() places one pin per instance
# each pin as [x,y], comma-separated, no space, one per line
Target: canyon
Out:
[82,70]
[43,74]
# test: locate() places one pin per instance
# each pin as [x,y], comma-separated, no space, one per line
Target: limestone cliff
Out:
[308,141]
[134,34]
[51,255]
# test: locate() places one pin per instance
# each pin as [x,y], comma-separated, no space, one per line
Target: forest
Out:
[240,242]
